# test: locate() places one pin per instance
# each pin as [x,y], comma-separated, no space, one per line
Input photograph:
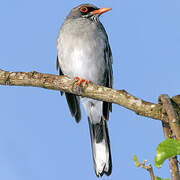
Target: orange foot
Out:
[81,80]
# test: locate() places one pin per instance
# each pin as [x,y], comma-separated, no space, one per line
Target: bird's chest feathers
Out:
[82,52]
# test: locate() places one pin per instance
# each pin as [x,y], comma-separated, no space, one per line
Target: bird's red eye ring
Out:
[84,9]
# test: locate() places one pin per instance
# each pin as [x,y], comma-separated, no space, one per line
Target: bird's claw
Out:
[80,81]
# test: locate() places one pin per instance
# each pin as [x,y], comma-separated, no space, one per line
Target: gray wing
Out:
[109,79]
[72,100]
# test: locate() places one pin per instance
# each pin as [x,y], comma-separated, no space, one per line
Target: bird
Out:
[84,53]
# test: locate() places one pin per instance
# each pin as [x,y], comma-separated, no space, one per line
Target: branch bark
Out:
[172,117]
[63,83]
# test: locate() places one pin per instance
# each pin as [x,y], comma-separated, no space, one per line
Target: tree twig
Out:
[143,165]
[149,169]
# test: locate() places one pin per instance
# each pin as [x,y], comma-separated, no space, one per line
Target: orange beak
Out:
[101,11]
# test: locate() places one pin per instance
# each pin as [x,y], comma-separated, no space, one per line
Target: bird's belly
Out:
[84,64]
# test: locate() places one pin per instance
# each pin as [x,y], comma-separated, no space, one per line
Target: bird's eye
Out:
[84,9]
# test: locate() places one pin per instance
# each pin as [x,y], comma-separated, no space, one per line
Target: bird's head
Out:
[86,11]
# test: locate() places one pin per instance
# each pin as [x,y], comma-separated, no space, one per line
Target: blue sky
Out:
[39,139]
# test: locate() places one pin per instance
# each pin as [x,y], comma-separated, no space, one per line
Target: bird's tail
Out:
[100,147]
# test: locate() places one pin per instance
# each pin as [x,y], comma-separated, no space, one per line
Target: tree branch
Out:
[63,83]
[169,129]
[172,117]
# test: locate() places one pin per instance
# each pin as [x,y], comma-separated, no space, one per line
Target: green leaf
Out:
[136,161]
[158,178]
[166,149]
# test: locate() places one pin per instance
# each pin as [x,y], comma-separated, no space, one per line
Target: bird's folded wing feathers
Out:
[72,100]
[109,79]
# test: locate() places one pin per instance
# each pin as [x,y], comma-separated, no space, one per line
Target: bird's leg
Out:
[81,80]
